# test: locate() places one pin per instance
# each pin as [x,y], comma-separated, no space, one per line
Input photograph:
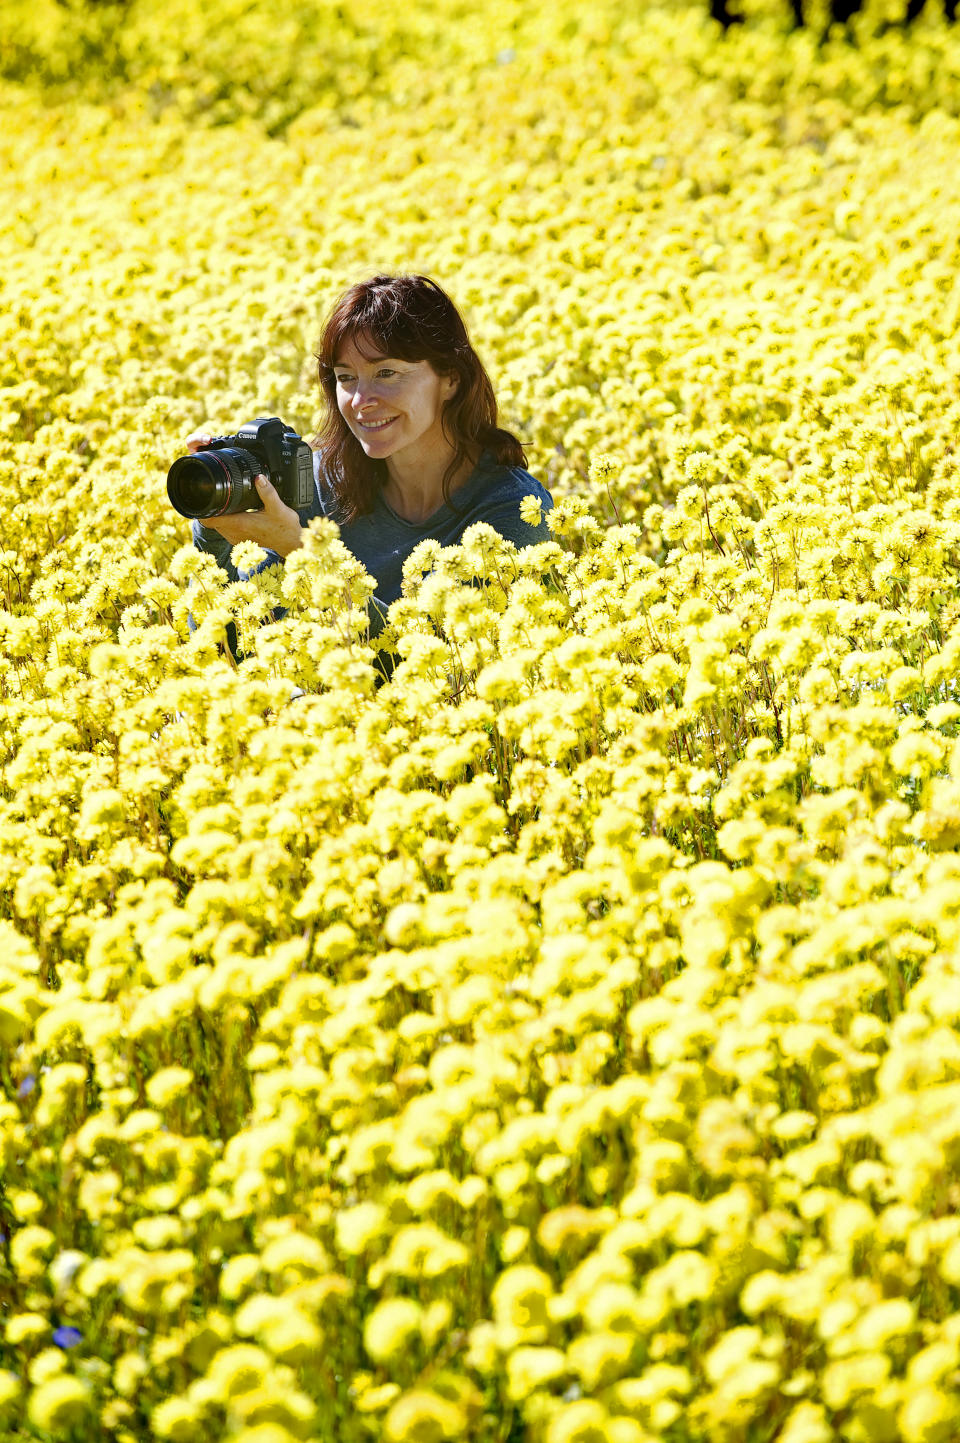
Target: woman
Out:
[409,447]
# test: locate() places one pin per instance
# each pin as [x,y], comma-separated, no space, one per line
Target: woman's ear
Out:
[449,385]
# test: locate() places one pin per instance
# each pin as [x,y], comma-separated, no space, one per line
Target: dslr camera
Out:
[218,481]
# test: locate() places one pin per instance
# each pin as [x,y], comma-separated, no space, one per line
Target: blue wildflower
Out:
[67,1337]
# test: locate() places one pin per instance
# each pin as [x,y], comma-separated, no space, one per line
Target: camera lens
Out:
[214,483]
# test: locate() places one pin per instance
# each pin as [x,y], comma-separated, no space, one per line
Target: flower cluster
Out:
[562,1039]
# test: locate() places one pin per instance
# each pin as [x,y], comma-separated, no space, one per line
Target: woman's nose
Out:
[363,394]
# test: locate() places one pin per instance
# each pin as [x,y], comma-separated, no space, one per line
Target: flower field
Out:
[560,1042]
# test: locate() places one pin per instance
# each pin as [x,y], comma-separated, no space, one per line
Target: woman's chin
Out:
[376,447]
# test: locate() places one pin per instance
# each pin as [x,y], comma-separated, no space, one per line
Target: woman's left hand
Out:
[276,528]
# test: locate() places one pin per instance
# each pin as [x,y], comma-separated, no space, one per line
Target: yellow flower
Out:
[531,510]
[529,1369]
[287,1332]
[583,1422]
[616,1306]
[423,1417]
[168,1085]
[265,1433]
[10,1392]
[26,1206]
[392,1328]
[359,1226]
[279,1403]
[292,1255]
[29,1248]
[26,1328]
[847,1378]
[423,1251]
[238,1369]
[520,1297]
[177,1419]
[59,1404]
[157,1283]
[47,1364]
[929,1415]
[600,1358]
[807,1423]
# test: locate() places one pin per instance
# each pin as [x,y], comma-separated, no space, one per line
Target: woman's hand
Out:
[276,528]
[198,441]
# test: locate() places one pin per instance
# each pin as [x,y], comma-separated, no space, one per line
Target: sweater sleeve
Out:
[215,545]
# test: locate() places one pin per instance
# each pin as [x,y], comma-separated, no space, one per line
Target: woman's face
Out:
[393,407]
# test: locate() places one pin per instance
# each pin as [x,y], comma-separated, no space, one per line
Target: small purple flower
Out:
[67,1337]
[27,1085]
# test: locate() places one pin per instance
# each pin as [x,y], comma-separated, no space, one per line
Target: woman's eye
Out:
[385,371]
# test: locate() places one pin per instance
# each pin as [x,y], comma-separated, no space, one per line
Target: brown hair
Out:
[413,319]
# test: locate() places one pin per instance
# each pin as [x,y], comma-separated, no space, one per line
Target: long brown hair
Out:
[413,319]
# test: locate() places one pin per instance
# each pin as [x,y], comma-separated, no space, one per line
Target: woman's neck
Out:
[415,492]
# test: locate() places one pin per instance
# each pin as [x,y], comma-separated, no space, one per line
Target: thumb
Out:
[267,493]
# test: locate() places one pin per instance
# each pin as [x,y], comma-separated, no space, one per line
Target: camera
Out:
[219,480]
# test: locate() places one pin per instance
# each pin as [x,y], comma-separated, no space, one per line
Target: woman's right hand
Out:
[276,527]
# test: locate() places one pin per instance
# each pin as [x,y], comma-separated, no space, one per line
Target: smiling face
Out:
[393,407]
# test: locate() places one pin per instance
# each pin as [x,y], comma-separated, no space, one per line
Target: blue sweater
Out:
[382,540]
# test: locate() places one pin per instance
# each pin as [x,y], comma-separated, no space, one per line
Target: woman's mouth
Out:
[376,425]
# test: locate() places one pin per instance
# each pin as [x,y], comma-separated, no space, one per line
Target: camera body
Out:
[219,480]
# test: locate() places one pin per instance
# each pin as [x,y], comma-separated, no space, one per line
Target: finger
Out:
[198,443]
[268,493]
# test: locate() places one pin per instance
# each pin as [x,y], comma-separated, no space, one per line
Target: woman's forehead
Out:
[360,345]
